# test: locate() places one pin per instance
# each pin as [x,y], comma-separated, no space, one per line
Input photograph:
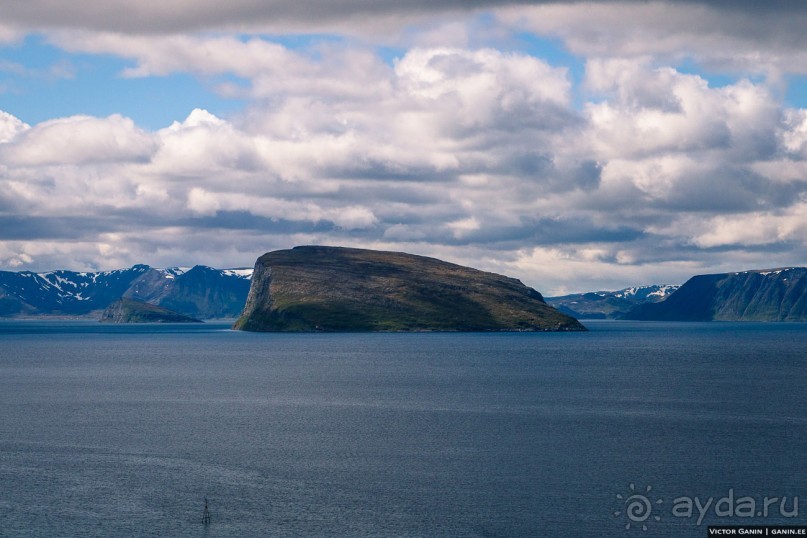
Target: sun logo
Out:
[637,507]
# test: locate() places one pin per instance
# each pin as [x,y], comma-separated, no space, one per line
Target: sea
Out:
[630,429]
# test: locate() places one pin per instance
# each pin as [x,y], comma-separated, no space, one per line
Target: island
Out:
[130,311]
[321,288]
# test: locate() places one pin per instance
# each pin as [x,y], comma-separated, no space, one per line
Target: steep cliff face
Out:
[762,295]
[341,289]
[130,311]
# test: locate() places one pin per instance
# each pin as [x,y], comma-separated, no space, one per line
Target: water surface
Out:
[111,430]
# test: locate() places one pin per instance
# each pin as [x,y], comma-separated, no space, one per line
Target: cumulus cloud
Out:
[678,143]
[10,127]
[449,126]
[464,152]
[78,140]
[485,157]
[204,146]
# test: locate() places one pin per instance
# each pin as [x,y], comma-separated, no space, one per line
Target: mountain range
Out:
[199,292]
[203,292]
[610,304]
[759,295]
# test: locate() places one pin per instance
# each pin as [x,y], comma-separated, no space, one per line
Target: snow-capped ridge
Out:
[765,272]
[173,272]
[80,293]
[245,272]
[610,304]
[653,290]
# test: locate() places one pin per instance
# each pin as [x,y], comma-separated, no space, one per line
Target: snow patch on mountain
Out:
[656,290]
[241,273]
[172,272]
[62,292]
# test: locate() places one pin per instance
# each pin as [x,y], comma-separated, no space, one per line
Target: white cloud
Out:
[204,146]
[463,226]
[472,154]
[163,55]
[650,110]
[559,270]
[754,228]
[78,140]
[203,202]
[794,137]
[10,127]
[482,88]
[350,217]
[16,260]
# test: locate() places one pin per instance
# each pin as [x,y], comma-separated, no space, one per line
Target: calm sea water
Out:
[124,430]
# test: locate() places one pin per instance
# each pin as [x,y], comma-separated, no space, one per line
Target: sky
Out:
[576,146]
